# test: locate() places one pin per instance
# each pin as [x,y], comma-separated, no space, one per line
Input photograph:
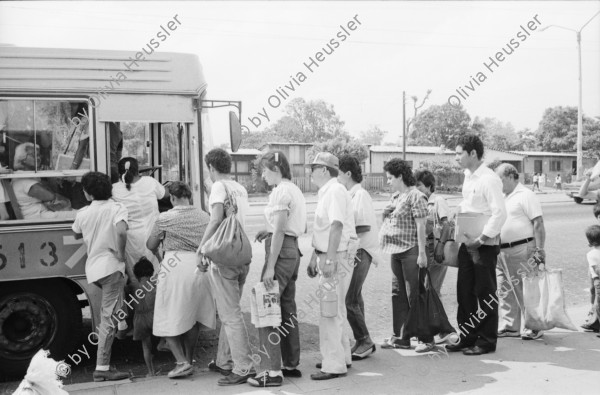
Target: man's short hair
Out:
[219,159]
[397,167]
[180,190]
[593,235]
[470,142]
[426,178]
[508,170]
[97,184]
[351,164]
[596,210]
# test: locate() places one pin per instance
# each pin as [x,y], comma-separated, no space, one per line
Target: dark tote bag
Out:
[427,317]
[229,246]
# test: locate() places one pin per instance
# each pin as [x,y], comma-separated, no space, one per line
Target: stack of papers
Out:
[265,307]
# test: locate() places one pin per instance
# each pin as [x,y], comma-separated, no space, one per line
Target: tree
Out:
[527,140]
[416,108]
[339,147]
[557,131]
[374,135]
[497,134]
[309,122]
[441,124]
[256,139]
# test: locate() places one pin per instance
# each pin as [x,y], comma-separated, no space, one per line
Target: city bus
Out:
[64,112]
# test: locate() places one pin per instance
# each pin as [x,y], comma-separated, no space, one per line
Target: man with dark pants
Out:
[477,315]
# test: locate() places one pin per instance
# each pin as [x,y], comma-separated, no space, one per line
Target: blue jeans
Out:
[113,287]
[355,305]
[234,347]
[405,289]
[283,343]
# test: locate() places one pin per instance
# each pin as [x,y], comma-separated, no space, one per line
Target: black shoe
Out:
[457,347]
[212,366]
[319,365]
[109,375]
[235,379]
[265,380]
[476,350]
[593,327]
[326,376]
[291,373]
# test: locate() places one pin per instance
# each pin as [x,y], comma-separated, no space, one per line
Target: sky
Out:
[249,50]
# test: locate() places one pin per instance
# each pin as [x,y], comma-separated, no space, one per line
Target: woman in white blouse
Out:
[286,221]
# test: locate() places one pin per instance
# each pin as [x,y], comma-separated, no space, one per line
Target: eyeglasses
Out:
[313,167]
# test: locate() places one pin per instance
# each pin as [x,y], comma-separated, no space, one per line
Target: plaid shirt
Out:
[399,230]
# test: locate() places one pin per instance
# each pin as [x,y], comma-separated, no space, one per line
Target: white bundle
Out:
[265,306]
[42,376]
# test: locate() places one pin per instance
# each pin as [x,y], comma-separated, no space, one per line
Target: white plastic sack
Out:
[544,301]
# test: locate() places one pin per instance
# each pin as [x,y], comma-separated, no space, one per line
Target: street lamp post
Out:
[579,105]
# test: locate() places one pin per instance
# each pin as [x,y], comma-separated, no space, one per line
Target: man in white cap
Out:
[335,243]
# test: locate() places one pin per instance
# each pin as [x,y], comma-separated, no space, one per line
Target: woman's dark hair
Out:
[219,159]
[351,164]
[593,235]
[470,142]
[180,190]
[276,159]
[97,184]
[426,178]
[143,268]
[128,169]
[398,167]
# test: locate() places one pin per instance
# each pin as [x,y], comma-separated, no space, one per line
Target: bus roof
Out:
[85,71]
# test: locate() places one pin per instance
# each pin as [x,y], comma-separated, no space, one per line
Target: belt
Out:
[516,243]
[320,252]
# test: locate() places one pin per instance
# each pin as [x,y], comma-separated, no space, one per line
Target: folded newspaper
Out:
[265,307]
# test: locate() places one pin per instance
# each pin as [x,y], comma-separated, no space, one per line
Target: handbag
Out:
[451,246]
[229,246]
[426,317]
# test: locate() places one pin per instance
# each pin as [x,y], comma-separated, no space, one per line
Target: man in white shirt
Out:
[368,252]
[523,235]
[477,314]
[335,243]
[103,226]
[233,353]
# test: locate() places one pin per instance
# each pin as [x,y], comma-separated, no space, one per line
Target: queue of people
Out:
[416,225]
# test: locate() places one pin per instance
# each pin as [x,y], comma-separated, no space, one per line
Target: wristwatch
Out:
[328,261]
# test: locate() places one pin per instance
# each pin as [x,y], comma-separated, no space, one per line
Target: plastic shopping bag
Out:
[426,316]
[544,301]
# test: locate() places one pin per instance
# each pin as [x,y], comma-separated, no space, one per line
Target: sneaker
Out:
[363,352]
[394,342]
[181,370]
[424,347]
[532,335]
[591,323]
[235,379]
[264,379]
[507,333]
[450,338]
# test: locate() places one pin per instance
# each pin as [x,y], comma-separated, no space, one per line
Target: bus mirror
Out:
[235,131]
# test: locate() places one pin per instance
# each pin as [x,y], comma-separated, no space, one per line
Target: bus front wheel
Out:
[34,315]
[578,200]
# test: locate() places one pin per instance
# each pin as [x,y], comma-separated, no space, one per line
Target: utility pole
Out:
[403,125]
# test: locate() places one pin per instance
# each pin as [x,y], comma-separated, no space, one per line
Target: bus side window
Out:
[39,139]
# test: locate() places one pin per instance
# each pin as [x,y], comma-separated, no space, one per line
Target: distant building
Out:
[552,163]
[379,155]
[242,162]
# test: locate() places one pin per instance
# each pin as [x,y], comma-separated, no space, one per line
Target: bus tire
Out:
[33,315]
[578,200]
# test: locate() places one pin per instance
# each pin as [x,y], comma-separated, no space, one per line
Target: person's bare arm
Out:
[362,229]
[335,236]
[276,243]
[539,233]
[422,259]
